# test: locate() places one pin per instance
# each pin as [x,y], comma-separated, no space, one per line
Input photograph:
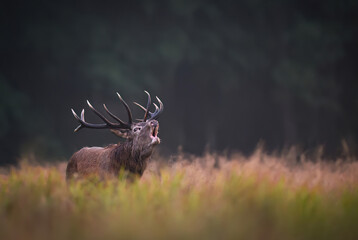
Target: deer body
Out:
[107,161]
[132,155]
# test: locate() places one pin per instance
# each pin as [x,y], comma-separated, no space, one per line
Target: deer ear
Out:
[121,133]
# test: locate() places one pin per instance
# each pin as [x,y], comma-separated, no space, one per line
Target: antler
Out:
[115,117]
[107,124]
[152,115]
[121,124]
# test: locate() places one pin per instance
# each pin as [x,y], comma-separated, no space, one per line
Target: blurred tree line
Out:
[230,73]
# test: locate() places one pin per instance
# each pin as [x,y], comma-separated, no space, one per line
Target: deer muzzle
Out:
[154,131]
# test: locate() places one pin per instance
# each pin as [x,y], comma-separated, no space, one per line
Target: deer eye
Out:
[137,129]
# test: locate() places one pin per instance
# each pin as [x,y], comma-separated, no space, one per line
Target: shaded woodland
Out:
[230,73]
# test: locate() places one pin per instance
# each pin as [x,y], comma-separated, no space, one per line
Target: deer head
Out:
[143,133]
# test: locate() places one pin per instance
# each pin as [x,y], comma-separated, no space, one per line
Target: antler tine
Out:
[148,105]
[155,115]
[127,108]
[161,108]
[114,116]
[143,108]
[82,118]
[155,111]
[83,123]
[101,116]
[78,119]
[83,114]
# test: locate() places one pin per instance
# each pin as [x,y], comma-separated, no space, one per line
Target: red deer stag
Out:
[132,155]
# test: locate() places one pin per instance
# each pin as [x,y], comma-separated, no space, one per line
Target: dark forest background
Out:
[230,73]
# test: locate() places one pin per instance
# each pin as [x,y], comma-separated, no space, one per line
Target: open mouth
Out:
[155,131]
[154,135]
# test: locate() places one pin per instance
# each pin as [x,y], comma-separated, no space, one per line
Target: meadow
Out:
[263,196]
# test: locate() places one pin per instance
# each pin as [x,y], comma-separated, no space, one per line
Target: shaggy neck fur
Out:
[129,157]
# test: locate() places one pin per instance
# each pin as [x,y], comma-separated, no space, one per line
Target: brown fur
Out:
[131,156]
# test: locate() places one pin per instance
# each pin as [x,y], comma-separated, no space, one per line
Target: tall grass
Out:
[211,197]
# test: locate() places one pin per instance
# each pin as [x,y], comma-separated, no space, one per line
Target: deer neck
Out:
[129,157]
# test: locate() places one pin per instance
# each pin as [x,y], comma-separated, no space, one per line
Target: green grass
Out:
[262,197]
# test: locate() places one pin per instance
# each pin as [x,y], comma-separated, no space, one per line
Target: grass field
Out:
[211,197]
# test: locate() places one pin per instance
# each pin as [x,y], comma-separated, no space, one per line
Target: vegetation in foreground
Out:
[213,197]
